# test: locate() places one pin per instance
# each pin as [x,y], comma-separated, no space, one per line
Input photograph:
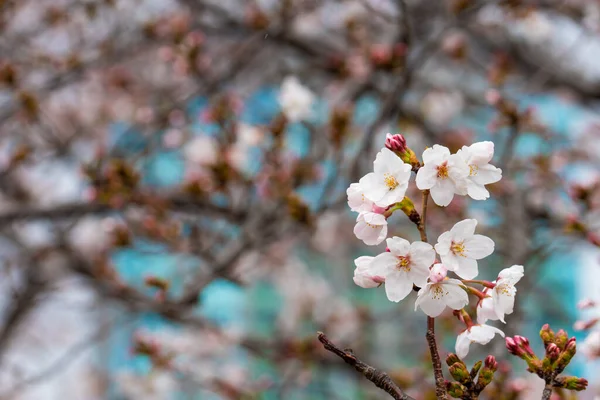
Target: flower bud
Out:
[566,356]
[460,373]
[455,389]
[486,375]
[491,363]
[552,352]
[396,143]
[547,335]
[438,273]
[523,343]
[476,369]
[561,339]
[452,359]
[571,383]
[513,348]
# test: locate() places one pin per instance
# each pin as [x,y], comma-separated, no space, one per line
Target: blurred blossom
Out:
[441,107]
[159,385]
[295,99]
[52,183]
[201,151]
[90,236]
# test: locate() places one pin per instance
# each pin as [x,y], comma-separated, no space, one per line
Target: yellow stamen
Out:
[458,249]
[473,169]
[437,292]
[390,181]
[403,263]
[442,171]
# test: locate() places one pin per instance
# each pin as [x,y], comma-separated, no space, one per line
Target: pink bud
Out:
[396,143]
[552,352]
[491,363]
[378,279]
[438,273]
[523,343]
[493,97]
[512,347]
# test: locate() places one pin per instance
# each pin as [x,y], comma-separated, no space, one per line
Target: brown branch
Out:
[440,386]
[547,393]
[379,378]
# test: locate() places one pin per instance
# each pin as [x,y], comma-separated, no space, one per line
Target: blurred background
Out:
[173,217]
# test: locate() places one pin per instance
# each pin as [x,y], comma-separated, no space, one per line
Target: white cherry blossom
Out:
[363,276]
[503,294]
[443,174]
[295,99]
[371,228]
[389,181]
[482,334]
[357,200]
[460,248]
[434,297]
[478,156]
[402,266]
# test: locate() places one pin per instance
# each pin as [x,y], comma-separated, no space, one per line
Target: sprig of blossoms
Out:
[406,267]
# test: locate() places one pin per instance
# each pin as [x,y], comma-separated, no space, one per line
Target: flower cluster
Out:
[405,266]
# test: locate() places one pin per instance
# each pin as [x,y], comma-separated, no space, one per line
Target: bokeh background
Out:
[170,230]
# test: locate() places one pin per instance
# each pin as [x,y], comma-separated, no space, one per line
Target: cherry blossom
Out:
[402,266]
[357,200]
[371,228]
[477,156]
[363,276]
[460,248]
[501,300]
[504,293]
[295,99]
[433,298]
[389,181]
[481,334]
[443,174]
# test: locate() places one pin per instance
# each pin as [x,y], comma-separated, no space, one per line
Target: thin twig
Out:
[379,378]
[440,389]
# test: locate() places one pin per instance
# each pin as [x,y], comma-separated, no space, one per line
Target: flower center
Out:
[390,181]
[442,171]
[473,169]
[458,249]
[437,292]
[505,289]
[403,263]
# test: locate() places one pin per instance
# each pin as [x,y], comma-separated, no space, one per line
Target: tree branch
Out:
[379,378]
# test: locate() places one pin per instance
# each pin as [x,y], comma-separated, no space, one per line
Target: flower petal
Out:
[478,247]
[426,177]
[464,229]
[462,345]
[443,192]
[455,297]
[373,186]
[467,268]
[477,191]
[398,246]
[397,286]
[422,254]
